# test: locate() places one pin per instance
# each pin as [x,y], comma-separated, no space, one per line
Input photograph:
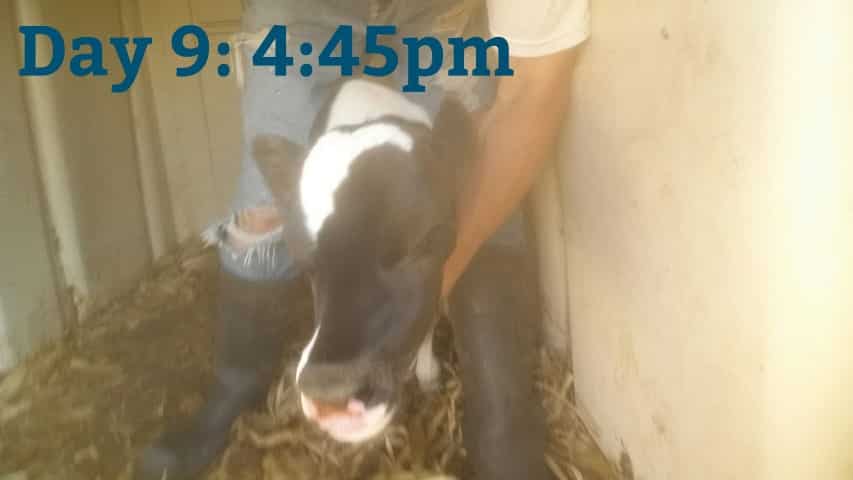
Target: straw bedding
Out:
[82,407]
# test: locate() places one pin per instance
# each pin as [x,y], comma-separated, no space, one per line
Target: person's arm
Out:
[518,134]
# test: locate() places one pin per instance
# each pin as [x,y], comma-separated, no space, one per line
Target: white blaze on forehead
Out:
[329,161]
[328,165]
[360,101]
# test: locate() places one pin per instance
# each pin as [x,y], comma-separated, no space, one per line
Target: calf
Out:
[369,211]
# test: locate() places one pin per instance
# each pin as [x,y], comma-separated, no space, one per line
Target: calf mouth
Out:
[352,403]
[351,421]
[356,424]
[353,400]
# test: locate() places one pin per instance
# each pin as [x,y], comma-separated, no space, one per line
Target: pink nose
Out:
[321,411]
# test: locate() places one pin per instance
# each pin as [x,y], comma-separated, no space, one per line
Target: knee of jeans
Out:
[250,243]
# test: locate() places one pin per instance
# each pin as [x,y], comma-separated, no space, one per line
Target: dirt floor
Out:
[83,407]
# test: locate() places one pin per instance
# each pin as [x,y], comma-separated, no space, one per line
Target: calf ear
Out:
[454,143]
[280,162]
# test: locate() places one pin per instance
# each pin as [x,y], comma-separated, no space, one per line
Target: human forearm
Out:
[518,136]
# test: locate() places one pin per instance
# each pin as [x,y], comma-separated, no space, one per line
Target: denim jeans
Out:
[286,105]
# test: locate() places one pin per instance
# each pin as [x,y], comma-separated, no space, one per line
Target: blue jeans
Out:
[287,105]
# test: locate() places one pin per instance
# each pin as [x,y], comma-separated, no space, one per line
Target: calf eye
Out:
[439,241]
[392,254]
[365,393]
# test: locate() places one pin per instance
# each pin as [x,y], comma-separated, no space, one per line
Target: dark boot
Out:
[253,317]
[496,320]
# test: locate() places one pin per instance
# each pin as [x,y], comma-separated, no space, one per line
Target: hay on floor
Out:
[83,407]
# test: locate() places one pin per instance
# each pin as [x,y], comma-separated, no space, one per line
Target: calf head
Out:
[369,210]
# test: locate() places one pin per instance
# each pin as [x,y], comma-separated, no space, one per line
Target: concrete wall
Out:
[706,185]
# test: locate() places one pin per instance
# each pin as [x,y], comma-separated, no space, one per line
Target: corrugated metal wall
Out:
[29,303]
[97,185]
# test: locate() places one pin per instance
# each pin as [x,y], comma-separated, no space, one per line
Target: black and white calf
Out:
[369,211]
[373,222]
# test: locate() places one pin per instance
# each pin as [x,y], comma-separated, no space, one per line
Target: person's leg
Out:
[260,292]
[496,323]
[495,311]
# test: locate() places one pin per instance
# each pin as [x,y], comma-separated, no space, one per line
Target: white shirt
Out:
[534,28]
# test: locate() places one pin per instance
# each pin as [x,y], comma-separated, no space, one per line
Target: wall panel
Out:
[30,310]
[707,184]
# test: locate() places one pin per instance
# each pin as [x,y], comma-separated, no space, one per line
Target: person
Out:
[518,118]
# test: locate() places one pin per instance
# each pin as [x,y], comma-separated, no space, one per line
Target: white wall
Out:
[706,177]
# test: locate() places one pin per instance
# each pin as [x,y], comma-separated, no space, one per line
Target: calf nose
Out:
[335,385]
[319,411]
